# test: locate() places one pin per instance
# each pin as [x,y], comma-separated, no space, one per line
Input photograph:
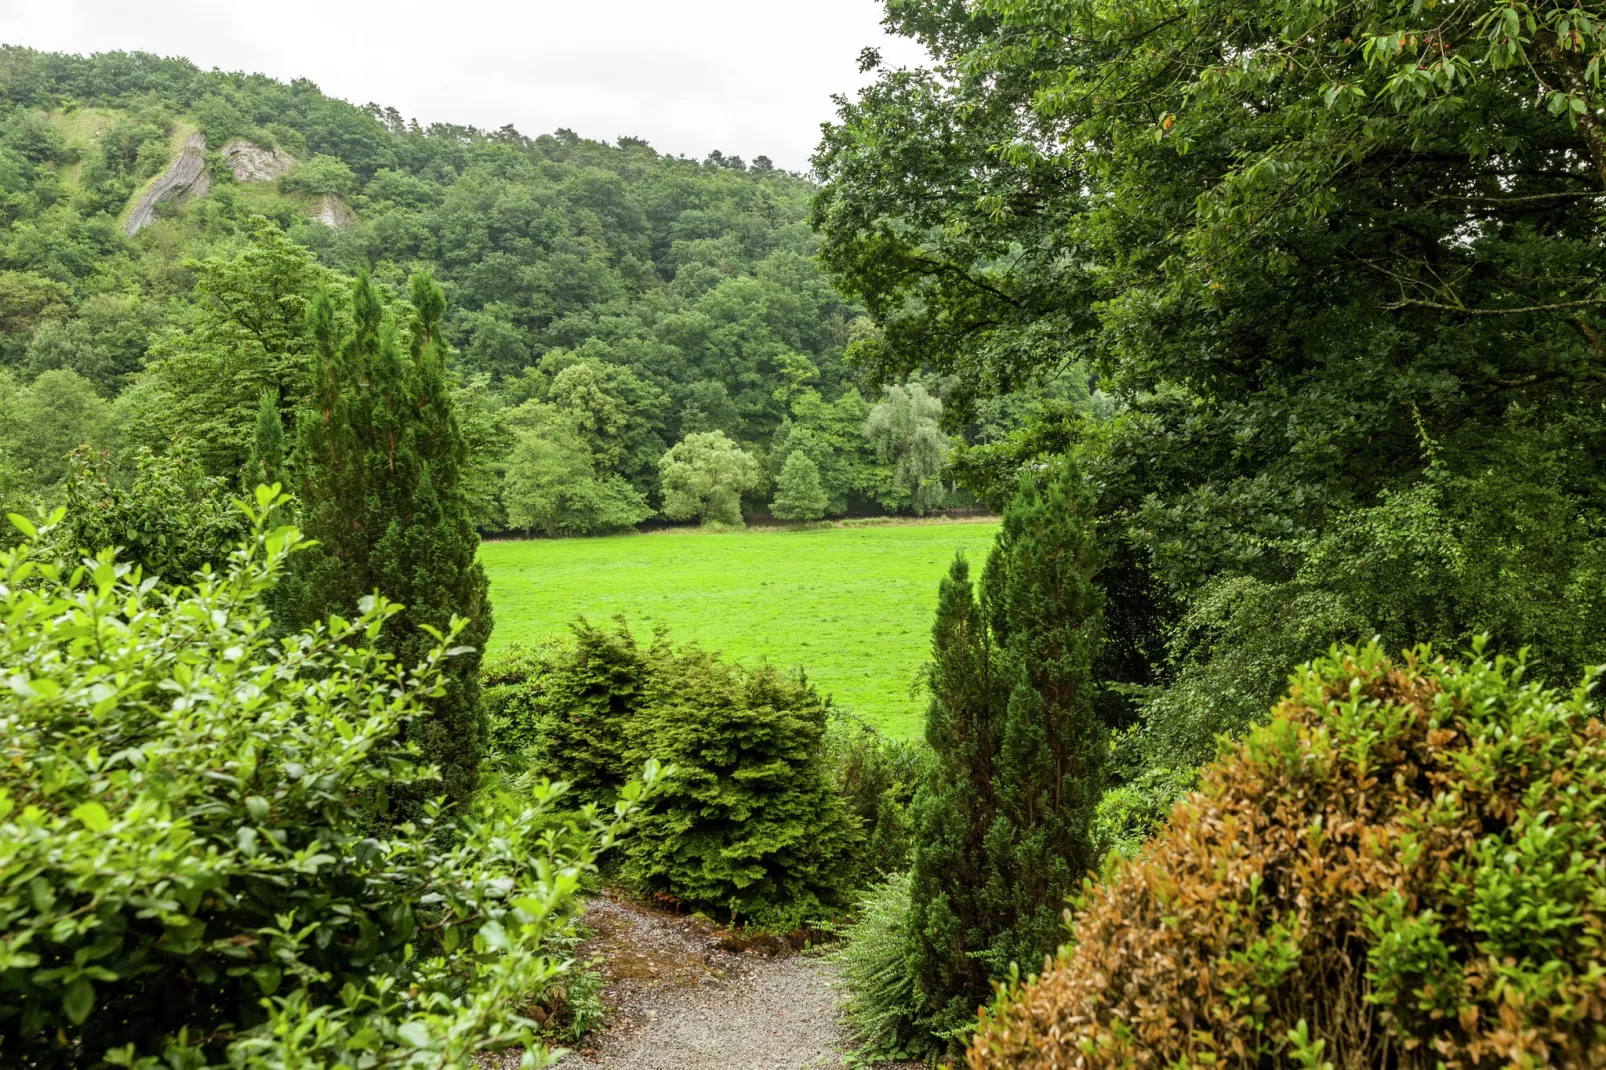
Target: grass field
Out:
[851,605]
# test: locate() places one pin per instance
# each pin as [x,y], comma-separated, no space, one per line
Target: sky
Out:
[746,77]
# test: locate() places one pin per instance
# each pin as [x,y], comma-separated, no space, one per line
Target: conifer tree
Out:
[379,466]
[265,465]
[1001,827]
[798,493]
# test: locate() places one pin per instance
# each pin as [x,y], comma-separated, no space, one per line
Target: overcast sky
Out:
[749,77]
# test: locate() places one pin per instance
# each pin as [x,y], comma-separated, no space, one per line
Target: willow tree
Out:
[379,463]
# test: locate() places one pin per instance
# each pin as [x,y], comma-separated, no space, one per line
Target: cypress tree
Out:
[1001,826]
[265,465]
[379,465]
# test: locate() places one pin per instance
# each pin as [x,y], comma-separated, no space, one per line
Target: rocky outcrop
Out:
[186,178]
[253,163]
[331,211]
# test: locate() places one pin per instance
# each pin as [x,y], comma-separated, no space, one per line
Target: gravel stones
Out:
[679,1000]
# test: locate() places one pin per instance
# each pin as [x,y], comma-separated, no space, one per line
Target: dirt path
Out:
[680,997]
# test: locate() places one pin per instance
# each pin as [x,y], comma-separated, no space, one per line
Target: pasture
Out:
[852,606]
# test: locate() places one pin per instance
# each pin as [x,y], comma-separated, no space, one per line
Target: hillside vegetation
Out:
[604,301]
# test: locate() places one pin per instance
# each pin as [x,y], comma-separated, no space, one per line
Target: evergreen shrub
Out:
[513,682]
[752,826]
[190,872]
[1402,868]
[874,959]
[757,829]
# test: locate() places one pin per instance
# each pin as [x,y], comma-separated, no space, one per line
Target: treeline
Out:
[604,302]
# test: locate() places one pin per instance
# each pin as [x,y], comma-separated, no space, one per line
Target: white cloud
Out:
[750,77]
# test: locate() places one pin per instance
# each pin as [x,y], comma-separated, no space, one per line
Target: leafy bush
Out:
[1402,868]
[172,521]
[190,874]
[876,778]
[513,679]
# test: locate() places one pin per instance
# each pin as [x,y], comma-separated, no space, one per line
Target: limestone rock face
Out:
[253,163]
[186,178]
[331,211]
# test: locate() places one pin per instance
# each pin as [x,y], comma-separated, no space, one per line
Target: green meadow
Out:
[850,605]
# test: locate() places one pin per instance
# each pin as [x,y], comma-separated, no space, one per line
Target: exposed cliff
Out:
[186,178]
[331,211]
[252,163]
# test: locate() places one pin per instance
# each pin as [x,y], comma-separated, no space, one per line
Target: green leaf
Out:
[78,1000]
[23,524]
[416,1034]
[93,815]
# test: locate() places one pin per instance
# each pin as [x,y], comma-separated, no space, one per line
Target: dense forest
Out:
[1266,734]
[604,302]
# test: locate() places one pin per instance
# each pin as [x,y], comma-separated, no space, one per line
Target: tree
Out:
[704,477]
[58,412]
[904,429]
[245,332]
[1002,828]
[798,494]
[554,483]
[1337,271]
[379,462]
[264,465]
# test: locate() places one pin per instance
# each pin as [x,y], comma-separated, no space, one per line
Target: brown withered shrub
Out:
[1403,868]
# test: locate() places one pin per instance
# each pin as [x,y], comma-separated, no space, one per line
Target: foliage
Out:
[1003,823]
[1400,866]
[172,521]
[513,679]
[753,827]
[758,831]
[832,435]
[555,485]
[904,430]
[876,777]
[672,296]
[704,478]
[798,493]
[592,695]
[378,463]
[189,874]
[43,422]
[1337,272]
[320,176]
[878,972]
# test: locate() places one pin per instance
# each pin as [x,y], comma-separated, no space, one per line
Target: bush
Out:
[190,873]
[172,521]
[877,962]
[1402,868]
[513,681]
[756,830]
[876,778]
[752,827]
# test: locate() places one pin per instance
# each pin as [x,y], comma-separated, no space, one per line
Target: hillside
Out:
[123,175]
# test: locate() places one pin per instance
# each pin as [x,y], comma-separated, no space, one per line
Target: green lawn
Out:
[851,605]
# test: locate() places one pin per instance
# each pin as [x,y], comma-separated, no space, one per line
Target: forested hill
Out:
[690,283]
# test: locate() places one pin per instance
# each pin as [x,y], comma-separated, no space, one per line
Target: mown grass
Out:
[852,606]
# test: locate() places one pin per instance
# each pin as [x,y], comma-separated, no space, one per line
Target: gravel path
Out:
[683,996]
